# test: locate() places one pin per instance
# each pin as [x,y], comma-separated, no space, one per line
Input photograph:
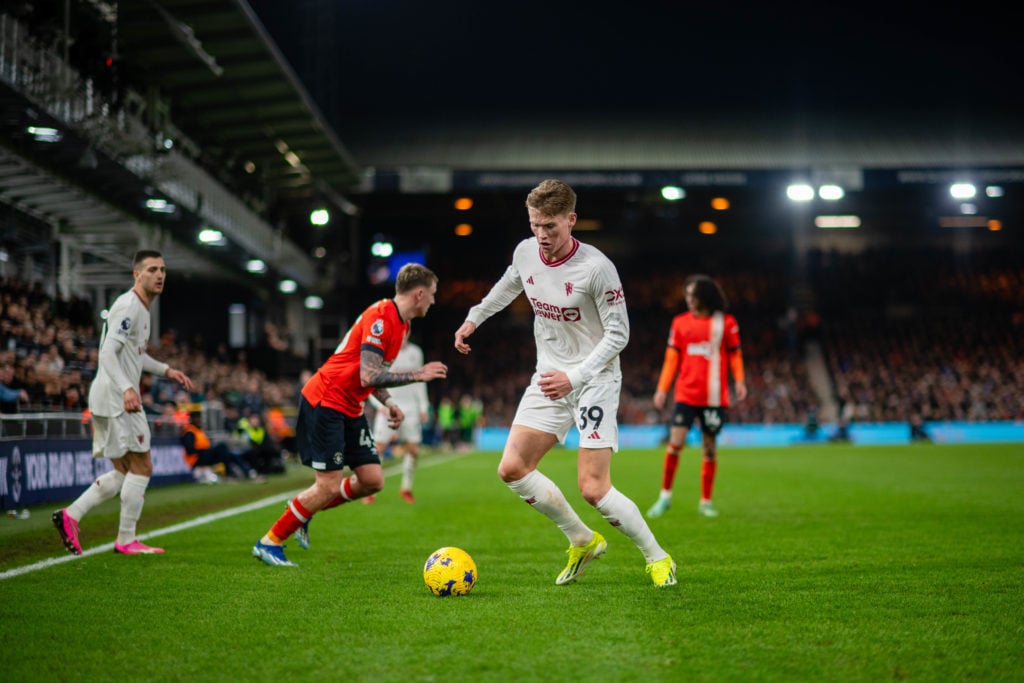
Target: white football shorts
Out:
[410,431]
[112,437]
[593,409]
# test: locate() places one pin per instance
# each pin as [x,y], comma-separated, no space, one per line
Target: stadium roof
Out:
[183,102]
[231,91]
[729,141]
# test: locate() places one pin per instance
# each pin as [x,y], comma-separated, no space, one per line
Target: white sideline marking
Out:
[205,519]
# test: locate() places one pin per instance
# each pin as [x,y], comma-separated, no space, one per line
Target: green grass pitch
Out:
[828,563]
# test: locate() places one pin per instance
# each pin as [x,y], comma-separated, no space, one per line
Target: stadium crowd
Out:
[903,335]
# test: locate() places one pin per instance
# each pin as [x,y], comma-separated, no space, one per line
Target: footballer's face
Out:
[691,296]
[553,233]
[425,299]
[149,277]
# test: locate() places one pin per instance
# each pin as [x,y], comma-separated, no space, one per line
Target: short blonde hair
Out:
[413,275]
[552,198]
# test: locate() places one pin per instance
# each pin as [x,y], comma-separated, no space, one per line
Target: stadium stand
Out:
[155,121]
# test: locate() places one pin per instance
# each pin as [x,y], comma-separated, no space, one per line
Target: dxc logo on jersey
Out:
[615,296]
[554,312]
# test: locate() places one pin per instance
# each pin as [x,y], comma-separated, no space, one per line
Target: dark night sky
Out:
[361,59]
[391,65]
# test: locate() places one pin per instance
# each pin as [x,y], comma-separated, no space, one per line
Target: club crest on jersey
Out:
[568,288]
[377,328]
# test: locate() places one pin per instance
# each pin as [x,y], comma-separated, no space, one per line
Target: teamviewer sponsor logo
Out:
[555,312]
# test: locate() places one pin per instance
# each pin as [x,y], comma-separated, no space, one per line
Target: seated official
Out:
[263,453]
[201,452]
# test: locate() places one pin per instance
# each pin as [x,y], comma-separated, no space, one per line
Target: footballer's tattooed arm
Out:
[372,372]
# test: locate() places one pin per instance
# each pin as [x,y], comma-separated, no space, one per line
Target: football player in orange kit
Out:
[332,432]
[703,345]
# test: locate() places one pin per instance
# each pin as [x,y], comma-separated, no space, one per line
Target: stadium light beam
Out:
[963,190]
[831,193]
[800,192]
[319,217]
[673,193]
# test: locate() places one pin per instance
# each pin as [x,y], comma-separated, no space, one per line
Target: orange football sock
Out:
[295,515]
[707,478]
[346,489]
[668,473]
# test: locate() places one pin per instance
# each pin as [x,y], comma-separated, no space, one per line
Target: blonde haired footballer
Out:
[580,327]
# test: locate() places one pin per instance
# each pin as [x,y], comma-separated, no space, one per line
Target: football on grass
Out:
[449,571]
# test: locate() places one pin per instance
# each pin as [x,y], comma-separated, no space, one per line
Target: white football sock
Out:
[623,514]
[103,489]
[408,470]
[133,494]
[544,496]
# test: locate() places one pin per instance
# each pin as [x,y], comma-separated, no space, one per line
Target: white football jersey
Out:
[580,322]
[126,333]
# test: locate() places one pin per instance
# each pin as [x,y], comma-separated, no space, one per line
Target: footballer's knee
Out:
[594,490]
[370,482]
[512,469]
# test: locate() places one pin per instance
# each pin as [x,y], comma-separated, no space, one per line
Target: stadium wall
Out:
[740,436]
[36,471]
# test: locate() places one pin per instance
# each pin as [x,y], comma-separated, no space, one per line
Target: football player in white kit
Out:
[580,327]
[120,429]
[413,400]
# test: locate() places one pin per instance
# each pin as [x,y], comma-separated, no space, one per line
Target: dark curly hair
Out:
[707,292]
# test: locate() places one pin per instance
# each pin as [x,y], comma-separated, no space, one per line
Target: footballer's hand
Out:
[659,399]
[132,401]
[555,385]
[435,369]
[395,416]
[741,391]
[180,377]
[464,331]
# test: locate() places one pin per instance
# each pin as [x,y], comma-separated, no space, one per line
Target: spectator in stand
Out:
[34,386]
[73,401]
[251,400]
[9,396]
